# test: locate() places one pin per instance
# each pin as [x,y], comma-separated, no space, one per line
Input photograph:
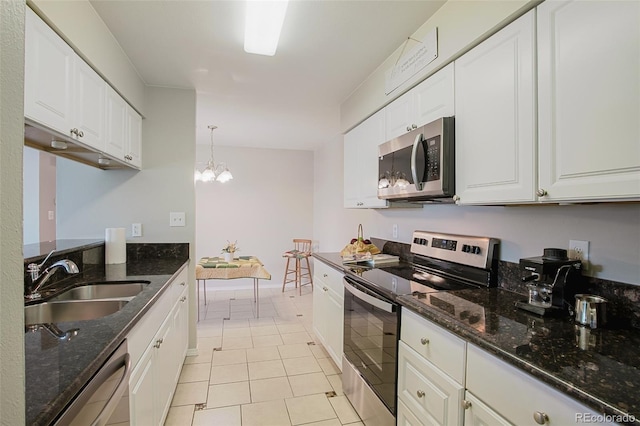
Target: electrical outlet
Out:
[176,219]
[579,250]
[136,230]
[395,230]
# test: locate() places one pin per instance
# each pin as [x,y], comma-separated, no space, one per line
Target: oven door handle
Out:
[385,306]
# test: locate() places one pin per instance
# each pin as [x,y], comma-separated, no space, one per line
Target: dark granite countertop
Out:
[600,368]
[56,370]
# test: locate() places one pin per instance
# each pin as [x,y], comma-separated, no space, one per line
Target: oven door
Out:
[371,330]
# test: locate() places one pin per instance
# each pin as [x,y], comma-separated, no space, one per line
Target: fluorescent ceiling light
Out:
[262,26]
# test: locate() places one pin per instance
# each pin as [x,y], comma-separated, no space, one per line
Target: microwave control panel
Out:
[432,154]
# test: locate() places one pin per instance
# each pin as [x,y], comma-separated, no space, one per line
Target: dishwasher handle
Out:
[78,412]
[118,392]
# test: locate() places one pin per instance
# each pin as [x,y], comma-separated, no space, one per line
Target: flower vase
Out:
[228,257]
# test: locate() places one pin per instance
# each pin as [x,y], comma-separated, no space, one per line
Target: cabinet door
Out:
[335,325]
[116,121]
[478,414]
[589,100]
[134,138]
[495,117]
[427,391]
[319,309]
[141,390]
[406,417]
[434,97]
[48,76]
[165,368]
[399,116]
[361,164]
[89,101]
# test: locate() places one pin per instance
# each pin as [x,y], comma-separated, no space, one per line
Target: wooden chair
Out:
[300,252]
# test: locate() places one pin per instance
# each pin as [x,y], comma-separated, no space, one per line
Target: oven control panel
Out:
[467,250]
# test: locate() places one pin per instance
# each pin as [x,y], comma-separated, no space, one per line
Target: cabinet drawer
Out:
[479,414]
[443,349]
[329,276]
[428,392]
[406,417]
[495,382]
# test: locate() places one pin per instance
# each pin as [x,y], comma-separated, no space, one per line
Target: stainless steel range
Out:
[441,265]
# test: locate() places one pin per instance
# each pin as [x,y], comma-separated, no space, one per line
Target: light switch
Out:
[136,230]
[176,219]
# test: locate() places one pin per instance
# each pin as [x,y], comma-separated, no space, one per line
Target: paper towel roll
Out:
[115,246]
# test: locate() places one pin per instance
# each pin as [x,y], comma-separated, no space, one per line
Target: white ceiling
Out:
[290,100]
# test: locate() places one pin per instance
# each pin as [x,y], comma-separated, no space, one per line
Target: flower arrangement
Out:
[230,247]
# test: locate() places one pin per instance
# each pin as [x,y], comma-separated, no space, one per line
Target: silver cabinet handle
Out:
[424,341]
[456,198]
[466,404]
[325,275]
[158,343]
[413,126]
[541,192]
[183,284]
[408,128]
[325,289]
[80,133]
[183,298]
[74,131]
[420,393]
[540,417]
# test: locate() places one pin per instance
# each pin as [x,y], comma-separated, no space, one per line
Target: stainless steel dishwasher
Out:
[105,399]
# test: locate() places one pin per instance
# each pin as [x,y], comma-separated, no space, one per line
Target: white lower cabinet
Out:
[430,373]
[515,396]
[328,309]
[427,391]
[444,380]
[478,413]
[158,354]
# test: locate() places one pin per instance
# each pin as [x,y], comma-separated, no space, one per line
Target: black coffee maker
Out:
[552,280]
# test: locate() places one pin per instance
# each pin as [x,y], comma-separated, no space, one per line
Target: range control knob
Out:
[476,250]
[466,248]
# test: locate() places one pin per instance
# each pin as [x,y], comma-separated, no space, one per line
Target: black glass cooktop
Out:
[403,279]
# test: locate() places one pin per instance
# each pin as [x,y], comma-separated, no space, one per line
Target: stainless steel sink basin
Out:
[103,291]
[54,312]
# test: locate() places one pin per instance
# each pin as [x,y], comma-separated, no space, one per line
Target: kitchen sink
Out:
[106,290]
[72,310]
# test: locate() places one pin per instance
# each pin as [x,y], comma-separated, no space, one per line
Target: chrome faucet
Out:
[38,279]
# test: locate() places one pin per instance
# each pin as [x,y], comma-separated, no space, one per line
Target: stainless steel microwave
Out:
[419,165]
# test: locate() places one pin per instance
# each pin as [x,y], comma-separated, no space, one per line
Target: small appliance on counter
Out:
[553,280]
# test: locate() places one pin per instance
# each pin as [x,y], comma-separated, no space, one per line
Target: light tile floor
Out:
[267,371]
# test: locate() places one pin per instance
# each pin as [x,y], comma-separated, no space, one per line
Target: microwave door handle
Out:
[414,168]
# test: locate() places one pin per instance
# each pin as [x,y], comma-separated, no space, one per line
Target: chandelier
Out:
[213,172]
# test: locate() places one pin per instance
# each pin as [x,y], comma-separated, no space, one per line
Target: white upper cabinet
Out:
[89,102]
[589,100]
[48,64]
[133,149]
[428,101]
[495,109]
[64,95]
[117,133]
[361,163]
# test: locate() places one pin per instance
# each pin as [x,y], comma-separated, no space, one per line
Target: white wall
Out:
[267,204]
[613,229]
[12,404]
[90,199]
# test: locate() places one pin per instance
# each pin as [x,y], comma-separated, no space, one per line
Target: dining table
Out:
[217,268]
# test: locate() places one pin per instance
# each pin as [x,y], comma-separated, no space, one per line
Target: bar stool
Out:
[301,251]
